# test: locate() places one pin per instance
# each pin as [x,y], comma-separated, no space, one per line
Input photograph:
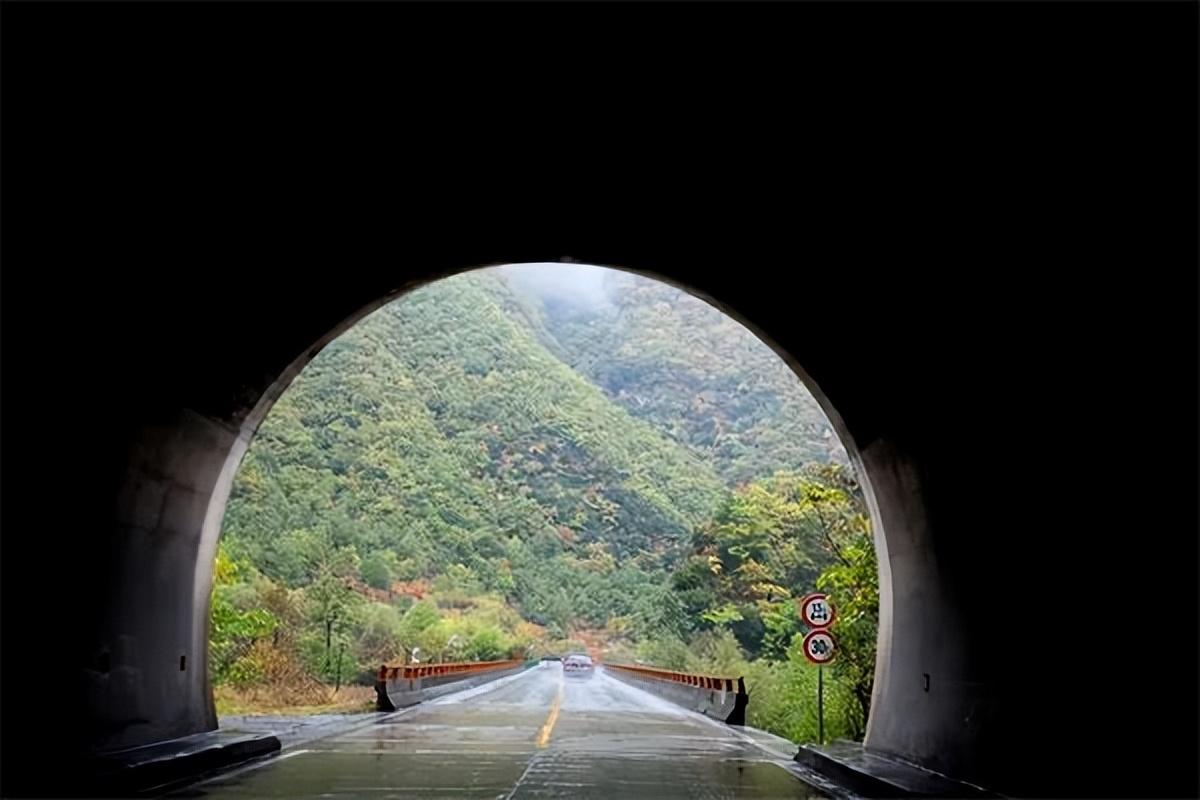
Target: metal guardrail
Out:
[416,671]
[713,695]
[686,678]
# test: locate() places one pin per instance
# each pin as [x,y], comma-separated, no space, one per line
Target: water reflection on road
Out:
[537,734]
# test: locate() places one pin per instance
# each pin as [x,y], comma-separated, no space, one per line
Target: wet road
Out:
[535,734]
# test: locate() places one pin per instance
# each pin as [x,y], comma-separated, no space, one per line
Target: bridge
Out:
[518,729]
[539,733]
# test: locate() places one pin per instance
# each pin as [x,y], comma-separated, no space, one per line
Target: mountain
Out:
[526,460]
[672,360]
[554,438]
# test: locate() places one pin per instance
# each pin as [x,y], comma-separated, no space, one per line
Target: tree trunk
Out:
[328,640]
[863,693]
[337,680]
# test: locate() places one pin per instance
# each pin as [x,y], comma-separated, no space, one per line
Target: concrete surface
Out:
[856,769]
[142,770]
[538,734]
[292,730]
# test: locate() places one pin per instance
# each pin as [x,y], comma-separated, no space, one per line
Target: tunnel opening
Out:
[736,491]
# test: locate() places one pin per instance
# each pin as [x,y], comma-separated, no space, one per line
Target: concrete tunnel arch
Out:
[930,703]
[217,501]
[1004,247]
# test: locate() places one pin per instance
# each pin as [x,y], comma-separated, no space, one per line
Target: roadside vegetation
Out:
[485,469]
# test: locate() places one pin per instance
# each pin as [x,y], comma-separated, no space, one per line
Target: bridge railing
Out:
[723,684]
[403,685]
[719,696]
[417,671]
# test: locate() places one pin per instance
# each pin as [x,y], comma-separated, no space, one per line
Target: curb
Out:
[164,765]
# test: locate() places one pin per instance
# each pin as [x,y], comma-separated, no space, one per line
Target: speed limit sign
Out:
[816,610]
[819,646]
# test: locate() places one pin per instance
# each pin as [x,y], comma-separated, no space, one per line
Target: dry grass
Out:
[287,688]
[277,699]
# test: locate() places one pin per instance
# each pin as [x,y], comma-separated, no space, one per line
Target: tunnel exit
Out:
[548,461]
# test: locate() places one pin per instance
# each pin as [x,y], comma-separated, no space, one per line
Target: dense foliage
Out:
[692,371]
[730,608]
[485,468]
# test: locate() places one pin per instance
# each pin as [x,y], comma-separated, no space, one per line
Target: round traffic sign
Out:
[819,646]
[816,610]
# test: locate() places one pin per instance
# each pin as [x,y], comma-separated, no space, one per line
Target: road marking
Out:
[263,761]
[293,753]
[548,726]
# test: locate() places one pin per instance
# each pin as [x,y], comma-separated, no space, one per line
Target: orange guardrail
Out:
[686,678]
[415,671]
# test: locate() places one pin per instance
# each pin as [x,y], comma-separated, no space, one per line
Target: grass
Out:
[275,700]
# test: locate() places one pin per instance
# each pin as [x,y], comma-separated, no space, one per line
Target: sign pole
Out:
[820,704]
[819,645]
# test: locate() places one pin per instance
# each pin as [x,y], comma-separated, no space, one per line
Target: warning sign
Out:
[816,610]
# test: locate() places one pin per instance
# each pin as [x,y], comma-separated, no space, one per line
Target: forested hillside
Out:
[497,463]
[694,373]
[438,432]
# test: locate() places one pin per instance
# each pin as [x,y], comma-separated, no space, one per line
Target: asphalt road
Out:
[536,734]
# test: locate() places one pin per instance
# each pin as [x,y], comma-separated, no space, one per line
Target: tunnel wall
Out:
[953,546]
[921,632]
[986,280]
[951,550]
[148,669]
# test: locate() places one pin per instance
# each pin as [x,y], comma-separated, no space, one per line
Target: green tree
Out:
[331,601]
[487,644]
[378,569]
[766,546]
[852,583]
[232,630]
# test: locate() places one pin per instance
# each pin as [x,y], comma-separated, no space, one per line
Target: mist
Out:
[580,286]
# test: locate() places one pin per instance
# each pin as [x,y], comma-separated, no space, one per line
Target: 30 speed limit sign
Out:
[819,646]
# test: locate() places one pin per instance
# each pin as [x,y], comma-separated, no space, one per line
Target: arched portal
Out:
[412,318]
[989,277]
[180,481]
[167,418]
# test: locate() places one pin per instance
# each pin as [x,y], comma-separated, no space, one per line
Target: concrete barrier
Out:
[721,698]
[402,686]
[152,770]
[871,774]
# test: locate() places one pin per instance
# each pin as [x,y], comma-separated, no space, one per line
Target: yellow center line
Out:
[548,725]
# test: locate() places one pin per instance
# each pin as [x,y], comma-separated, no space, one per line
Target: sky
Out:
[575,284]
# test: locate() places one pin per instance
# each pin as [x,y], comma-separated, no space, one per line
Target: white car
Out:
[579,666]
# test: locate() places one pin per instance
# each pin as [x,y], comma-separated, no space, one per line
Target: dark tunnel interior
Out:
[994,292]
